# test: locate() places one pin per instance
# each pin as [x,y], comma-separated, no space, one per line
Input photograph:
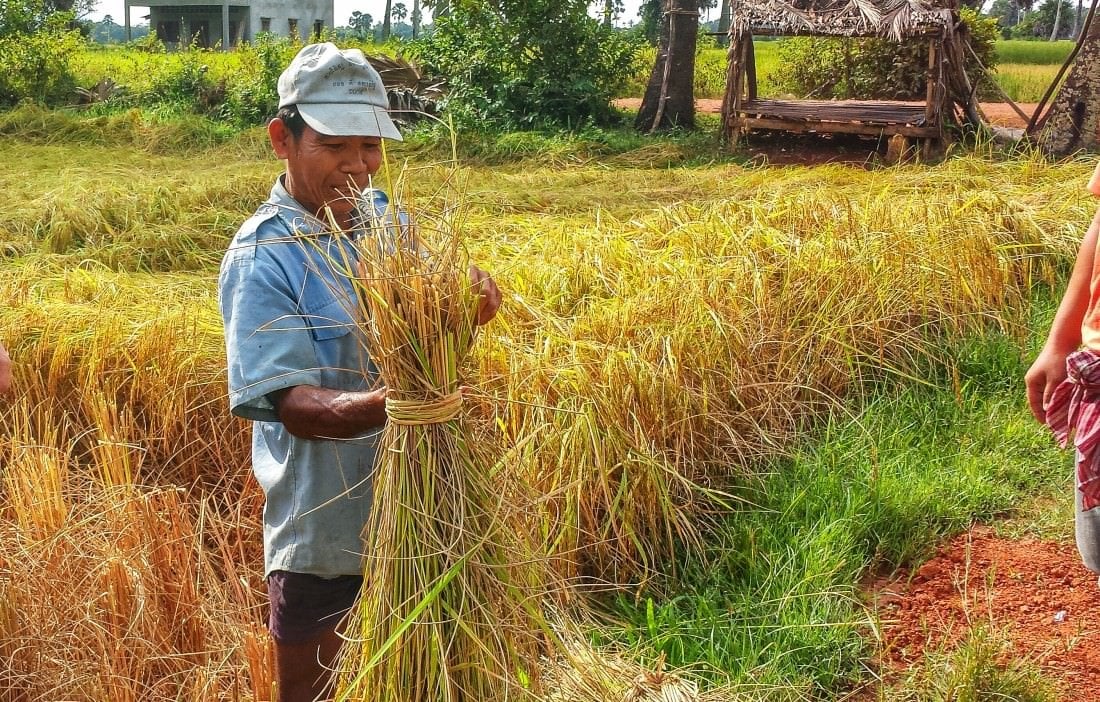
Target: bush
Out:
[518,64]
[874,68]
[186,85]
[35,66]
[254,98]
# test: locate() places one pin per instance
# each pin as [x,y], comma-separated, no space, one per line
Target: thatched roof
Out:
[894,19]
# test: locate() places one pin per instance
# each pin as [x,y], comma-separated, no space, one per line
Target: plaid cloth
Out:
[1074,413]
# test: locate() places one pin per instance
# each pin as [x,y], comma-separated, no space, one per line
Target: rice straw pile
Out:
[449,609]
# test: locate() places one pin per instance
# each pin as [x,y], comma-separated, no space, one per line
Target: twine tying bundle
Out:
[419,412]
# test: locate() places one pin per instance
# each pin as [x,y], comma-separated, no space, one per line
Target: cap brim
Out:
[349,120]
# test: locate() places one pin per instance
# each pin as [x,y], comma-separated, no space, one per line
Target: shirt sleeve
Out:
[268,342]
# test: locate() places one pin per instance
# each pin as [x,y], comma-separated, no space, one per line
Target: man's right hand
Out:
[1045,374]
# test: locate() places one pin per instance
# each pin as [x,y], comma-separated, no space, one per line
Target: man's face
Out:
[326,170]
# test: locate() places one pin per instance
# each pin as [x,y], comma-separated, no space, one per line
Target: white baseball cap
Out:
[337,92]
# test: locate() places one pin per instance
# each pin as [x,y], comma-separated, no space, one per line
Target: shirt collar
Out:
[291,211]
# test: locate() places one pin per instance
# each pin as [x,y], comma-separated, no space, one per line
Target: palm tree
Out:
[360,23]
[400,12]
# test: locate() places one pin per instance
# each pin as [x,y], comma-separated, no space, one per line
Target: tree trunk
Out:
[724,22]
[387,27]
[1073,121]
[669,100]
[1077,20]
[416,18]
[1057,20]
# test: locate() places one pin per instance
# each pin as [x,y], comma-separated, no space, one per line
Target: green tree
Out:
[526,63]
[1047,22]
[360,23]
[34,59]
[1006,12]
[399,12]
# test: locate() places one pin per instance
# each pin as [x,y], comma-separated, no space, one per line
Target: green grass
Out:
[775,600]
[1040,53]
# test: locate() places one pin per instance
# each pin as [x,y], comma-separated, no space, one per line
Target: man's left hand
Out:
[488,301]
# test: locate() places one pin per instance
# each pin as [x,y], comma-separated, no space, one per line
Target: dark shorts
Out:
[303,606]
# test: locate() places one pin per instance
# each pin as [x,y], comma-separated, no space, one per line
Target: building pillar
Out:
[226,39]
[126,19]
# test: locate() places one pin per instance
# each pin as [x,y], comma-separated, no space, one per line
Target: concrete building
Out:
[178,23]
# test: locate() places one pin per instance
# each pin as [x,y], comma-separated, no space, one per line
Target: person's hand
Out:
[488,294]
[5,370]
[1048,370]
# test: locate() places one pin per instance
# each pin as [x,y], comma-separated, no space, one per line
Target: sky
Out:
[343,10]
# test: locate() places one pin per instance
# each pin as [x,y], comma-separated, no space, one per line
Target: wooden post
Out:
[930,114]
[931,148]
[731,101]
[750,68]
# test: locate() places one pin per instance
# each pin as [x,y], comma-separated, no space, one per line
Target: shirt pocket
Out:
[329,319]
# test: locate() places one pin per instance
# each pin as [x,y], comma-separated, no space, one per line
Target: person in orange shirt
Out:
[5,370]
[1063,384]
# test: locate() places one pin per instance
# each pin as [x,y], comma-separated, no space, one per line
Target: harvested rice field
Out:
[674,331]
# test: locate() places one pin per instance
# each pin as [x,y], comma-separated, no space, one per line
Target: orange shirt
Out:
[1090,329]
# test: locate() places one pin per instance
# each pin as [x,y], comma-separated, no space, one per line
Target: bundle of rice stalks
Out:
[450,605]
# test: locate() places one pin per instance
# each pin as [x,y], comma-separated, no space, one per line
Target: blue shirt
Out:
[288,307]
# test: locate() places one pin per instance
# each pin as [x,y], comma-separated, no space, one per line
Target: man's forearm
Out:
[311,412]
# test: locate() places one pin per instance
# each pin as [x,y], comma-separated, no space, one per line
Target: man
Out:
[5,370]
[297,367]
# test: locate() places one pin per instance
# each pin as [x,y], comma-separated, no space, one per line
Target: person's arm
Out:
[311,412]
[5,370]
[1049,368]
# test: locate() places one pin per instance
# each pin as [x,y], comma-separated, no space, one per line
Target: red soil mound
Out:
[1035,593]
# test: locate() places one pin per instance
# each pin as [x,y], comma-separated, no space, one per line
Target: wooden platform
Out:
[872,117]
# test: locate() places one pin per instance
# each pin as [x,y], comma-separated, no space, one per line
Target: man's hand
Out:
[488,295]
[1048,370]
[5,370]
